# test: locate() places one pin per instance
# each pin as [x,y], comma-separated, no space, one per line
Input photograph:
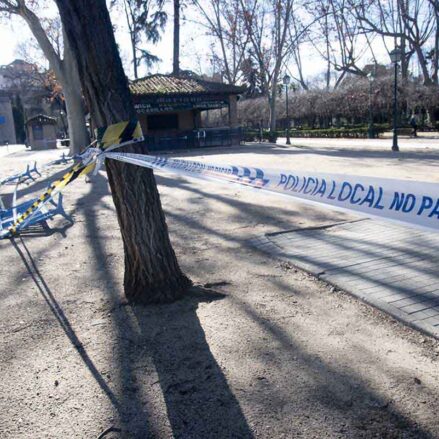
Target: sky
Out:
[15,32]
[195,46]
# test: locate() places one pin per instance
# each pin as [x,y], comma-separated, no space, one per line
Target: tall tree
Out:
[61,62]
[176,52]
[267,23]
[298,32]
[337,36]
[152,273]
[225,23]
[146,19]
[413,23]
[434,53]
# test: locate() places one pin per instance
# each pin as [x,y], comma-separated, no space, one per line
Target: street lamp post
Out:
[370,128]
[286,82]
[395,57]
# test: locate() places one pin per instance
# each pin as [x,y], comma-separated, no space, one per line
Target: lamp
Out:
[286,82]
[395,57]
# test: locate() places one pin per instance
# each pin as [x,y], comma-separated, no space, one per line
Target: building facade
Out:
[7,127]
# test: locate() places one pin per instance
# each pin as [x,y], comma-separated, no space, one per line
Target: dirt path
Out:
[258,349]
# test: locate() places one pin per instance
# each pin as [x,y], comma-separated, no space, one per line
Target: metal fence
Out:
[202,138]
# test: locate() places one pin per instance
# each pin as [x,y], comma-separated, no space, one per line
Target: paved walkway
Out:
[9,149]
[391,267]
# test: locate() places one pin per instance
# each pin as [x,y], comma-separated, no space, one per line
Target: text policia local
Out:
[409,201]
[362,195]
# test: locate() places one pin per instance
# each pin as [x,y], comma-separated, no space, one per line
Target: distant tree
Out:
[61,61]
[251,76]
[225,23]
[298,33]
[146,20]
[152,273]
[413,23]
[348,104]
[434,51]
[337,36]
[35,86]
[18,115]
[176,45]
[267,23]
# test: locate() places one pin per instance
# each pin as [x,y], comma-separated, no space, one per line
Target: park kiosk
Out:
[170,109]
[41,132]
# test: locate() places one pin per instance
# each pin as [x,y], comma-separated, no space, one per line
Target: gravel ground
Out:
[257,349]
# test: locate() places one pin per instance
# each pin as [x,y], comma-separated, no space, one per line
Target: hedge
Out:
[252,135]
[359,133]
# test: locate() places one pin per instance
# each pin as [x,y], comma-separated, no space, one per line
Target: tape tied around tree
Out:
[118,135]
[22,220]
[108,138]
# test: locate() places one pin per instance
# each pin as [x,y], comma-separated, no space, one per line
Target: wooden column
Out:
[233,111]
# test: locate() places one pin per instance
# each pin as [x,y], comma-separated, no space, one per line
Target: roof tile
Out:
[168,84]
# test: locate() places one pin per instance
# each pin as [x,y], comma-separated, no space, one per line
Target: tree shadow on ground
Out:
[193,397]
[169,341]
[343,393]
[197,398]
[417,245]
[58,312]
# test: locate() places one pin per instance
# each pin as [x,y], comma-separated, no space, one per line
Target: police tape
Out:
[22,220]
[119,134]
[108,138]
[408,202]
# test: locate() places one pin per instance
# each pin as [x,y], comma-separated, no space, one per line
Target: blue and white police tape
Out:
[409,202]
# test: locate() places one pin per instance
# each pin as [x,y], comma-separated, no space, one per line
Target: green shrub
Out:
[357,132]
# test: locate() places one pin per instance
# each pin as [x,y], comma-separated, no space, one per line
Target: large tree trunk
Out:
[66,73]
[273,108]
[78,134]
[134,52]
[423,64]
[152,273]
[176,59]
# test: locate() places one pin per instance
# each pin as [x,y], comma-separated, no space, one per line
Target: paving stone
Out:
[432,321]
[420,315]
[392,267]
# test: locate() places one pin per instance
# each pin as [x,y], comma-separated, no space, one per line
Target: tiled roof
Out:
[42,118]
[173,85]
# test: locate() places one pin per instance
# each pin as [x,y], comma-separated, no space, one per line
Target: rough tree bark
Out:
[78,134]
[152,273]
[176,58]
[272,100]
[130,23]
[66,72]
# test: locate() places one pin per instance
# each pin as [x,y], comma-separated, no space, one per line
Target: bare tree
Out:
[61,61]
[152,273]
[145,19]
[298,34]
[32,84]
[338,38]
[225,23]
[176,45]
[267,23]
[412,22]
[434,51]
